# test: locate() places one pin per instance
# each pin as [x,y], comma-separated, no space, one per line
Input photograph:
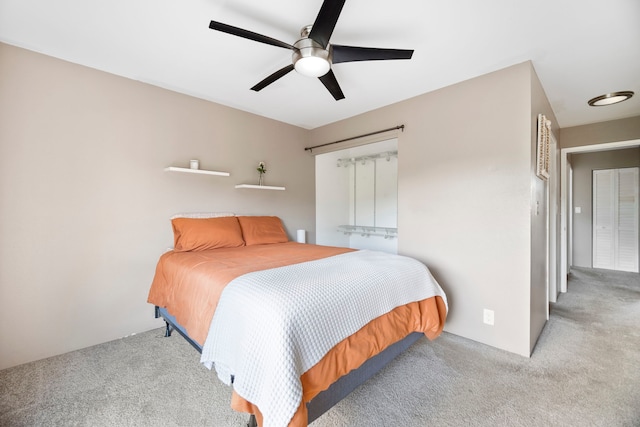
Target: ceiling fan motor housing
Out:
[310,58]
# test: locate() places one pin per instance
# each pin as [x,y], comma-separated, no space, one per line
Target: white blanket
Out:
[271,326]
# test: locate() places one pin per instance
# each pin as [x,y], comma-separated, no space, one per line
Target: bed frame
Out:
[338,390]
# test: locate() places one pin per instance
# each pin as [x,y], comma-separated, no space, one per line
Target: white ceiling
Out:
[579,48]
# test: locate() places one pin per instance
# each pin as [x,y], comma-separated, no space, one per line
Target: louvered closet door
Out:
[615,219]
[627,218]
[603,207]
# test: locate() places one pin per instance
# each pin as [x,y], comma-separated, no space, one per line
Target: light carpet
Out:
[584,371]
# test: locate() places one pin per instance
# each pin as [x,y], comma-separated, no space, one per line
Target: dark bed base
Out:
[339,389]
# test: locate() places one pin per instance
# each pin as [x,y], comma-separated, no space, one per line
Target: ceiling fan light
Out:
[610,98]
[310,59]
[312,66]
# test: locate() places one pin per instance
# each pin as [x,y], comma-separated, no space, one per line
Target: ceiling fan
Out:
[312,54]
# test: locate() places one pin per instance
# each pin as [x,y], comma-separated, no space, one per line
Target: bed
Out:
[292,327]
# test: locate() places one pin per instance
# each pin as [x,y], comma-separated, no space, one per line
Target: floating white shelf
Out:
[200,171]
[366,231]
[259,187]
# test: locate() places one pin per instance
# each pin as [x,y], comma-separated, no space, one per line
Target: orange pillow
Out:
[262,230]
[199,234]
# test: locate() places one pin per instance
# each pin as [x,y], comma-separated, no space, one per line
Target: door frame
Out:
[552,224]
[566,202]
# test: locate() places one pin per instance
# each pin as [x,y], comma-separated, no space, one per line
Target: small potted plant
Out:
[262,170]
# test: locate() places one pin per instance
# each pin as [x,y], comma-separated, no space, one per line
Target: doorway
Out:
[566,202]
[357,197]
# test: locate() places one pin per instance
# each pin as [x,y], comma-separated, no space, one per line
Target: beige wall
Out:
[538,216]
[599,133]
[85,204]
[583,166]
[465,197]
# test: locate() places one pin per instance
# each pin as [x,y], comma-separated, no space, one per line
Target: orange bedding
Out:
[426,316]
[189,285]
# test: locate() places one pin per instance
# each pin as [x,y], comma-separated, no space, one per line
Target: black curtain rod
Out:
[355,137]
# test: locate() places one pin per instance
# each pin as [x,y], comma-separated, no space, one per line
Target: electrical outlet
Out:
[488,316]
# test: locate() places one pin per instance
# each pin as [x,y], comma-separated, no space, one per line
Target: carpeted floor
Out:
[585,371]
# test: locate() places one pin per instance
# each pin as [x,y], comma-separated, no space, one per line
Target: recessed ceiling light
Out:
[610,98]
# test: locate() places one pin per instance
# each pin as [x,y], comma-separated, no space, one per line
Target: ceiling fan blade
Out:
[329,81]
[353,53]
[229,29]
[326,20]
[273,77]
